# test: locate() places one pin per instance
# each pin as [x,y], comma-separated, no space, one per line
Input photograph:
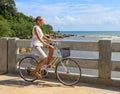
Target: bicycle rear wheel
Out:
[68,72]
[26,68]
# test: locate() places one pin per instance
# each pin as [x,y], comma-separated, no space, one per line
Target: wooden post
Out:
[3,55]
[12,53]
[104,64]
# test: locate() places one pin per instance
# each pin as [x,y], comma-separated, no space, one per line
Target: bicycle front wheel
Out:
[26,68]
[68,71]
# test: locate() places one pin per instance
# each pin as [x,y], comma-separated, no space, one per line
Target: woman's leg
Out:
[40,64]
[50,55]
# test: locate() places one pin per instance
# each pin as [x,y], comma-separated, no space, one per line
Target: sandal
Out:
[38,75]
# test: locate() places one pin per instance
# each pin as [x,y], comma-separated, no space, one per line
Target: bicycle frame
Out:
[58,57]
[60,63]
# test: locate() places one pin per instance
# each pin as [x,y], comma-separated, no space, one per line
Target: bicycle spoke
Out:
[68,72]
[26,67]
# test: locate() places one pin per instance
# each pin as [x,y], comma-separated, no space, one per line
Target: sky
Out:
[74,15]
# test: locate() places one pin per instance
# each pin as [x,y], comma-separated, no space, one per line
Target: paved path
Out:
[13,84]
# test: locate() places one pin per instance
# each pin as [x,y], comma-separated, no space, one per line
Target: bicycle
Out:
[67,70]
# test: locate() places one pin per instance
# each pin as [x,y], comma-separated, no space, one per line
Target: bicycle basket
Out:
[65,52]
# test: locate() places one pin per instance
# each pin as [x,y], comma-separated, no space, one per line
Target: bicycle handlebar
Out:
[54,43]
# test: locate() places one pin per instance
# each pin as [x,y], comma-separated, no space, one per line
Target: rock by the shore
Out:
[60,35]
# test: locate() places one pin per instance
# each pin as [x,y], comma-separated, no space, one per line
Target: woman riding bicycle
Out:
[38,42]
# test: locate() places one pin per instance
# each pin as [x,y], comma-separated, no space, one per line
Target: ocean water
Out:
[93,36]
[92,32]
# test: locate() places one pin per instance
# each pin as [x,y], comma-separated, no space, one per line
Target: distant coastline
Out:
[54,36]
[88,35]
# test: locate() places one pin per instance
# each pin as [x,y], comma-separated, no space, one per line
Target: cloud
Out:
[72,16]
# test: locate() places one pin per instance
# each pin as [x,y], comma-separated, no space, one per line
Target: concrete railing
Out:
[9,55]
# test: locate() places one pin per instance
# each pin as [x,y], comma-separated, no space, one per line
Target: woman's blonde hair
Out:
[38,18]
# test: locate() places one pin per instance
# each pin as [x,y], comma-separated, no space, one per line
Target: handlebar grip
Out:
[53,43]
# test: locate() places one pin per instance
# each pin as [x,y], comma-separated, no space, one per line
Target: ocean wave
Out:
[112,37]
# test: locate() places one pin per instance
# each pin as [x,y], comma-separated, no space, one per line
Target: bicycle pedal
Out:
[43,72]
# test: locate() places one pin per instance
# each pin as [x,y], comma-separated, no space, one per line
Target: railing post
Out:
[104,64]
[12,55]
[3,55]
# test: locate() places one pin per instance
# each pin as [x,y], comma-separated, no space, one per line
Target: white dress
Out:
[35,41]
[36,44]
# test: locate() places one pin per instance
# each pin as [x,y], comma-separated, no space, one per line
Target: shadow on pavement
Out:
[15,81]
